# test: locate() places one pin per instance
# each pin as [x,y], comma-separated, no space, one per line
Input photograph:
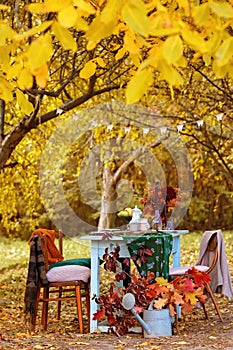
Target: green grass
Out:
[16,253]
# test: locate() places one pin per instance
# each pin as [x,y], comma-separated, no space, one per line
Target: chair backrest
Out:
[59,236]
[212,246]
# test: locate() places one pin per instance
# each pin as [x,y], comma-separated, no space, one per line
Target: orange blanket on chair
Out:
[53,253]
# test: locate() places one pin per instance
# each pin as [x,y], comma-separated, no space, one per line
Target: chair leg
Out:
[79,307]
[205,311]
[45,307]
[88,306]
[59,304]
[209,290]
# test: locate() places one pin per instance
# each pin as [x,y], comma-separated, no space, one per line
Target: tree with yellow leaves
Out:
[63,53]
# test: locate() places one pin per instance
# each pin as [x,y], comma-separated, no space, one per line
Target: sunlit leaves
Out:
[49,6]
[23,102]
[169,73]
[224,53]
[194,40]
[25,79]
[139,84]
[88,70]
[223,9]
[172,49]
[6,33]
[201,14]
[68,17]
[64,36]
[5,90]
[42,75]
[40,51]
[135,15]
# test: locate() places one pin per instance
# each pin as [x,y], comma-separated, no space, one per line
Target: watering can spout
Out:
[128,302]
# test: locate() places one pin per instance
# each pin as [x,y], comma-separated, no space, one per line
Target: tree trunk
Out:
[108,201]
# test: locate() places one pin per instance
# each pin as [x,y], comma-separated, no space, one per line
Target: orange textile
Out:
[53,253]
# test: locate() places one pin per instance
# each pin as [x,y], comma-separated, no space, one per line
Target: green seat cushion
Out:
[81,261]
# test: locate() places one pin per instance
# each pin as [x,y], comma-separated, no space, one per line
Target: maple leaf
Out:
[186,308]
[191,297]
[177,298]
[162,281]
[160,303]
[172,310]
[99,315]
[202,298]
[199,277]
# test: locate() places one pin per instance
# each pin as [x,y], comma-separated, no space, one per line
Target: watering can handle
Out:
[146,326]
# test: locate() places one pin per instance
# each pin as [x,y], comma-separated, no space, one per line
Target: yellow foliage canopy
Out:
[171,29]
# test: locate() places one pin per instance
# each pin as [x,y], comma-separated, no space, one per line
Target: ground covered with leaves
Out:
[194,332]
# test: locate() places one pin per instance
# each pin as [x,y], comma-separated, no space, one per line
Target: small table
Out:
[98,246]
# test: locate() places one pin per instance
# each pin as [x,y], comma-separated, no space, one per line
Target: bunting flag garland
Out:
[180,127]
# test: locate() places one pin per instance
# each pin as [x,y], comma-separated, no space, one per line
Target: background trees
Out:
[60,56]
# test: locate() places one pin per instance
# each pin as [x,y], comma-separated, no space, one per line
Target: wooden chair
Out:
[61,291]
[211,247]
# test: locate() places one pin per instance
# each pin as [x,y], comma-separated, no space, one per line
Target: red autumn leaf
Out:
[111,320]
[199,277]
[186,308]
[99,315]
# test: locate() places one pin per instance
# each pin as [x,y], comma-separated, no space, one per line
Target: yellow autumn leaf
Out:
[23,103]
[111,10]
[6,33]
[25,79]
[64,36]
[194,40]
[220,71]
[68,17]
[222,9]
[99,30]
[162,281]
[120,53]
[41,75]
[5,58]
[134,14]
[88,70]
[201,14]
[192,297]
[164,31]
[5,90]
[138,85]
[224,53]
[33,31]
[130,44]
[172,49]
[13,70]
[49,6]
[40,51]
[81,24]
[169,74]
[214,42]
[100,62]
[85,7]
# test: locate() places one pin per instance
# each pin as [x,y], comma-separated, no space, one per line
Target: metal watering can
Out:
[159,321]
[128,302]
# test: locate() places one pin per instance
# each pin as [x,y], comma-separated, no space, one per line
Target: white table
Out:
[98,246]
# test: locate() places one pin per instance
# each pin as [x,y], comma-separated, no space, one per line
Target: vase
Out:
[159,321]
